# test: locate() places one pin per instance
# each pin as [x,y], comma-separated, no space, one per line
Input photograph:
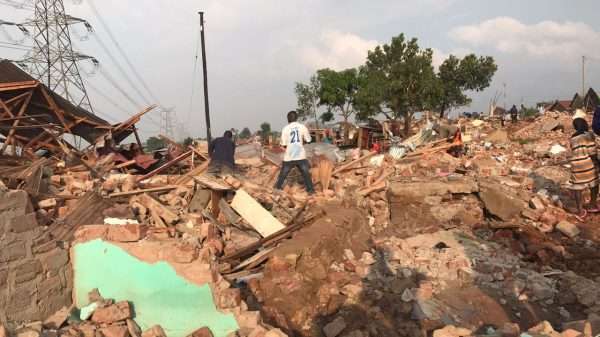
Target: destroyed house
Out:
[577,102]
[33,117]
[560,106]
[591,100]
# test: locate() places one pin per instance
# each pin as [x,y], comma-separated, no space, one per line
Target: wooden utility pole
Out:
[206,107]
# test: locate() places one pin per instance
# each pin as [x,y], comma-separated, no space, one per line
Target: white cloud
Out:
[337,50]
[543,39]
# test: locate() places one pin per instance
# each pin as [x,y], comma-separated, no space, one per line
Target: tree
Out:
[265,130]
[456,76]
[397,80]
[154,143]
[338,90]
[245,134]
[308,99]
[188,141]
[326,116]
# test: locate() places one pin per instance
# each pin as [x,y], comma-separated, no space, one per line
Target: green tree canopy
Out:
[154,143]
[456,76]
[265,130]
[308,98]
[327,116]
[188,141]
[245,134]
[398,80]
[338,91]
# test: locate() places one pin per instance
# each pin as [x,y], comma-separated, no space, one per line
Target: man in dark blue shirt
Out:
[221,152]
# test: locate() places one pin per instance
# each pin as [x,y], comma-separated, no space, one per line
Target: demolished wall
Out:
[35,275]
[167,283]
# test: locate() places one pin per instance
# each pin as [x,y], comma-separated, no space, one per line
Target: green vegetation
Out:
[155,143]
[245,134]
[397,80]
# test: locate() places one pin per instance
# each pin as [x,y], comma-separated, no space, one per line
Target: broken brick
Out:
[202,332]
[119,311]
[155,331]
[115,331]
[126,233]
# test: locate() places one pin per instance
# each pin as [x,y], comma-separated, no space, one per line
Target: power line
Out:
[118,87]
[115,104]
[114,40]
[120,68]
[106,97]
[17,5]
[15,47]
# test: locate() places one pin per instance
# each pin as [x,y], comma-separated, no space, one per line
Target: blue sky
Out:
[258,49]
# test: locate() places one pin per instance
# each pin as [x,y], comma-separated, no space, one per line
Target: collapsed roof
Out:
[34,117]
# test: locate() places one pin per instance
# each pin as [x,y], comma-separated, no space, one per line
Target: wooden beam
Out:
[41,140]
[20,118]
[148,190]
[28,127]
[60,114]
[18,85]
[16,123]
[134,119]
[165,166]
[7,110]
[352,163]
[200,154]
[137,139]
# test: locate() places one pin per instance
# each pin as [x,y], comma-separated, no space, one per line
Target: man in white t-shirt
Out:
[293,137]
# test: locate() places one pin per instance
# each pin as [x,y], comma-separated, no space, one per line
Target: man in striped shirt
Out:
[584,166]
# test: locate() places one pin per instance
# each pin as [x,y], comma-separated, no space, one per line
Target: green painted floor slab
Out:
[158,294]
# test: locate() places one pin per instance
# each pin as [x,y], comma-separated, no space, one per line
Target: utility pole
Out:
[583,76]
[206,107]
[504,84]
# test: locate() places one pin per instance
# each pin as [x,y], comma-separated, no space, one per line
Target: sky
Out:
[257,50]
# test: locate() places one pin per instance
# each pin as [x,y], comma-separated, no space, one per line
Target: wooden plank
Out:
[258,217]
[198,153]
[255,260]
[18,85]
[125,164]
[352,163]
[133,119]
[325,170]
[295,224]
[184,179]
[148,190]
[165,166]
[59,113]
[212,183]
[229,213]
[158,209]
[215,198]
[16,123]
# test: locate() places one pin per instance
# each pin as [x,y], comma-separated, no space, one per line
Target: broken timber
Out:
[258,217]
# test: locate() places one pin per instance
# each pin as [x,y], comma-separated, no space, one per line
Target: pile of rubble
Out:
[427,243]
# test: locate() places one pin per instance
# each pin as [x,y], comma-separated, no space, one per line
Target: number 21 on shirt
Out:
[294,136]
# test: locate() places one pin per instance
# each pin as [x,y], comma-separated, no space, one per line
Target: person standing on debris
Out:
[584,166]
[221,152]
[514,113]
[293,137]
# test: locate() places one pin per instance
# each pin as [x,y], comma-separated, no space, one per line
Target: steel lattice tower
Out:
[52,60]
[166,123]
